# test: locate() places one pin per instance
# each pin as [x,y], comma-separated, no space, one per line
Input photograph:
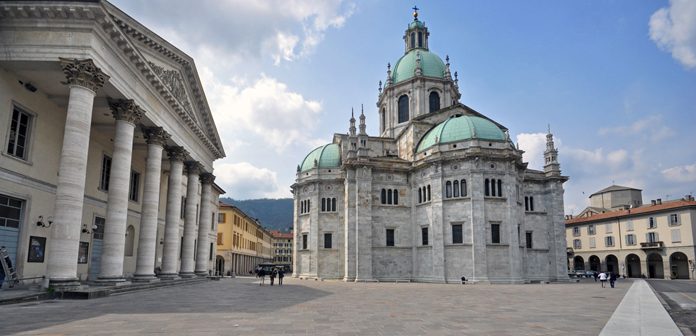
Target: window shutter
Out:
[676,236]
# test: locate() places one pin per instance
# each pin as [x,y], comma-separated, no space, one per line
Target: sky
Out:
[614,79]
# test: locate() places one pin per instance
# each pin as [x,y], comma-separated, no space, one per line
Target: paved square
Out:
[306,307]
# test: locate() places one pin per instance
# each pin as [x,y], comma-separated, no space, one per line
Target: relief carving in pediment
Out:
[174,83]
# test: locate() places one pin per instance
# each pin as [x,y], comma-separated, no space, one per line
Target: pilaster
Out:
[363,225]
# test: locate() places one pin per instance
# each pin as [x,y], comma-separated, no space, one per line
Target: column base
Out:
[145,278]
[348,279]
[202,273]
[64,284]
[366,280]
[187,275]
[112,281]
[169,276]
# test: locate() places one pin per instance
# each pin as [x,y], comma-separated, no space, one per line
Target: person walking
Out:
[603,278]
[612,279]
[281,274]
[273,275]
[261,274]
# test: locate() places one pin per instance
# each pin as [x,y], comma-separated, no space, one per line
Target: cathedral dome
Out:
[327,156]
[431,65]
[461,128]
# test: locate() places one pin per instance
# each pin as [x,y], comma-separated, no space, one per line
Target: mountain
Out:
[274,214]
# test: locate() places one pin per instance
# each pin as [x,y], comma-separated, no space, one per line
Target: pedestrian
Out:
[612,279]
[595,275]
[273,275]
[603,278]
[262,275]
[2,269]
[281,274]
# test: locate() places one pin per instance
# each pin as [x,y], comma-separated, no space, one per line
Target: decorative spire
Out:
[362,120]
[419,67]
[456,79]
[380,87]
[352,123]
[389,76]
[448,74]
[551,165]
[415,13]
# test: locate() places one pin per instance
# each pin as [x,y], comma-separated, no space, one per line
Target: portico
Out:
[100,98]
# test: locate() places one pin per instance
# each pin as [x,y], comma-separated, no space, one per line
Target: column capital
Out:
[155,135]
[193,167]
[176,153]
[126,110]
[83,73]
[207,178]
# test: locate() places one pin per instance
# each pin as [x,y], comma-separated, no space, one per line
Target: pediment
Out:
[174,82]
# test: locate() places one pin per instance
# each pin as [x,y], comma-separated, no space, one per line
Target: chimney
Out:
[659,201]
[652,202]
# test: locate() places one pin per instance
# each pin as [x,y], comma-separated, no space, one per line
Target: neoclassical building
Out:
[108,148]
[442,192]
[618,233]
[242,242]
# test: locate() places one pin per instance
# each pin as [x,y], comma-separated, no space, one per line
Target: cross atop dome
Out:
[415,13]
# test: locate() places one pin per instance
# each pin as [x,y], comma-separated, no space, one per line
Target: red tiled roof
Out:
[630,212]
[282,235]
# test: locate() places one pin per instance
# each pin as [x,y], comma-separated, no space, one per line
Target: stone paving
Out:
[307,307]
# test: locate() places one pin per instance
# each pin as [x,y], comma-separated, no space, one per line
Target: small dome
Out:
[416,24]
[405,67]
[327,156]
[461,128]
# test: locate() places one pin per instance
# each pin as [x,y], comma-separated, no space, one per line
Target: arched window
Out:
[463,186]
[333,204]
[492,187]
[384,196]
[420,39]
[384,119]
[396,196]
[455,185]
[448,189]
[403,109]
[323,204]
[434,100]
[500,188]
[531,203]
[420,195]
[487,191]
[389,196]
[309,205]
[428,192]
[130,239]
[413,40]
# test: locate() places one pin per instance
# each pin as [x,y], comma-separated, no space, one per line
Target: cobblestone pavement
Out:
[680,296]
[307,307]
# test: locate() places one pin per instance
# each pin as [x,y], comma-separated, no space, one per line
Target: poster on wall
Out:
[83,253]
[37,249]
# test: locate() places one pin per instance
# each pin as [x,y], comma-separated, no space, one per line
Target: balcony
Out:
[656,245]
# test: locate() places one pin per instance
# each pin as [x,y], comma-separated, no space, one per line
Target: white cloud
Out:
[244,180]
[265,108]
[533,145]
[240,29]
[673,29]
[652,127]
[584,156]
[617,158]
[685,173]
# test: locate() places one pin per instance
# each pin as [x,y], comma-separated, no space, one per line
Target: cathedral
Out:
[440,194]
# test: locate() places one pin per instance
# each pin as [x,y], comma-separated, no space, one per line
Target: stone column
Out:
[205,224]
[170,253]
[84,79]
[147,243]
[193,168]
[127,114]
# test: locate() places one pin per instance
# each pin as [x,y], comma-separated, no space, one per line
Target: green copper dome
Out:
[405,67]
[327,156]
[461,128]
[416,24]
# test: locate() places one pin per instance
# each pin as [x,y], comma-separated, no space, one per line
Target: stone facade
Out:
[442,193]
[87,116]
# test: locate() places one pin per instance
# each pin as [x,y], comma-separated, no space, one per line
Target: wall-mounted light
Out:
[44,223]
[86,230]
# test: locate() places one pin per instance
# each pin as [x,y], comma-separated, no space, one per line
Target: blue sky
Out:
[615,79]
